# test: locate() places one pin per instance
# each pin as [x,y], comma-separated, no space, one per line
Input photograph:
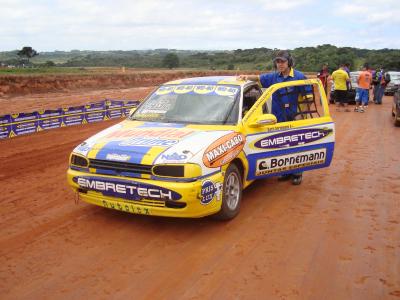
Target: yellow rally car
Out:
[193,145]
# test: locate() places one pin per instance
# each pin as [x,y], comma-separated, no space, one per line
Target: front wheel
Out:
[231,194]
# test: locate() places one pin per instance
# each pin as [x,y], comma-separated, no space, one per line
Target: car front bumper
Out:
[197,198]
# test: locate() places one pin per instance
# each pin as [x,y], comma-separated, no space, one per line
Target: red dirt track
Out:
[336,236]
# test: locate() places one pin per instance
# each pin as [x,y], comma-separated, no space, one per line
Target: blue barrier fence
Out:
[23,123]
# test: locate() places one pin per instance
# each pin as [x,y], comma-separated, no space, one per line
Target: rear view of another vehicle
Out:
[394,83]
[396,108]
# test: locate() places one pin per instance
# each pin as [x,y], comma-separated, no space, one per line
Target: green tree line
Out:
[307,59]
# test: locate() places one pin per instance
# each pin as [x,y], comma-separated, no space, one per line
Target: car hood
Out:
[157,143]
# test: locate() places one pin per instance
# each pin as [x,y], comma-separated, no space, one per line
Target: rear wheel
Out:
[231,194]
[396,118]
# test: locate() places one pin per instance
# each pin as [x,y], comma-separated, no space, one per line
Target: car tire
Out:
[231,194]
[396,119]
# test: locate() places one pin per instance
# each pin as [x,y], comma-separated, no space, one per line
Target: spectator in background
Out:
[340,80]
[364,82]
[372,72]
[381,87]
[323,75]
[347,69]
[376,79]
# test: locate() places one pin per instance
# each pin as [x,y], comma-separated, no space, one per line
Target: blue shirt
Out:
[285,100]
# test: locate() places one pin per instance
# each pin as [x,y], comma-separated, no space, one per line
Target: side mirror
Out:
[263,120]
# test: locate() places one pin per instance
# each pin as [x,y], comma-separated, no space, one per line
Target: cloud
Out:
[125,25]
[372,12]
[284,5]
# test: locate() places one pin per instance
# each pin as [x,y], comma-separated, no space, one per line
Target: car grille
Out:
[119,166]
[155,203]
[158,203]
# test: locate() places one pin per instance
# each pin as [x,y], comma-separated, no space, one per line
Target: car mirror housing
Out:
[264,120]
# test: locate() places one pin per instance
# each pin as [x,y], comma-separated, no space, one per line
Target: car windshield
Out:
[197,104]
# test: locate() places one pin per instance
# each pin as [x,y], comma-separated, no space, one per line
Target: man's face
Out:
[282,66]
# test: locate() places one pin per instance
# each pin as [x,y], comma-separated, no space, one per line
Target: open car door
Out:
[277,148]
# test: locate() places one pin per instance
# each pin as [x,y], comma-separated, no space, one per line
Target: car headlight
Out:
[174,170]
[79,161]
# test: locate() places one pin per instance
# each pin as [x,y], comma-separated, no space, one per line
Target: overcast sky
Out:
[197,24]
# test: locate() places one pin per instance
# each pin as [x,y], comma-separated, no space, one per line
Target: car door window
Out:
[250,96]
[294,103]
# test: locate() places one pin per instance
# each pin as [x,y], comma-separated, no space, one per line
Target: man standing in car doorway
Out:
[284,103]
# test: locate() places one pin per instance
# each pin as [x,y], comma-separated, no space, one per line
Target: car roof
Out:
[212,80]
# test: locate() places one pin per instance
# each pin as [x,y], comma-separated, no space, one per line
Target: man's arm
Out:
[348,80]
[306,92]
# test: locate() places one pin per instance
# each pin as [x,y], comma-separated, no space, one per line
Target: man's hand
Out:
[248,77]
[242,77]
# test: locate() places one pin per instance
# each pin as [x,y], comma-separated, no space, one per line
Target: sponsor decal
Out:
[183,89]
[129,190]
[204,89]
[279,128]
[157,106]
[172,133]
[117,157]
[201,89]
[5,127]
[82,149]
[210,189]
[148,142]
[292,138]
[224,150]
[164,137]
[164,90]
[290,161]
[174,156]
[226,91]
[158,125]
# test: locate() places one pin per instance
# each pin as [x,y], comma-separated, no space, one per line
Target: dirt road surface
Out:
[54,100]
[336,236]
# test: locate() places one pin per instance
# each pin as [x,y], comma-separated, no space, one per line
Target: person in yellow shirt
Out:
[340,79]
